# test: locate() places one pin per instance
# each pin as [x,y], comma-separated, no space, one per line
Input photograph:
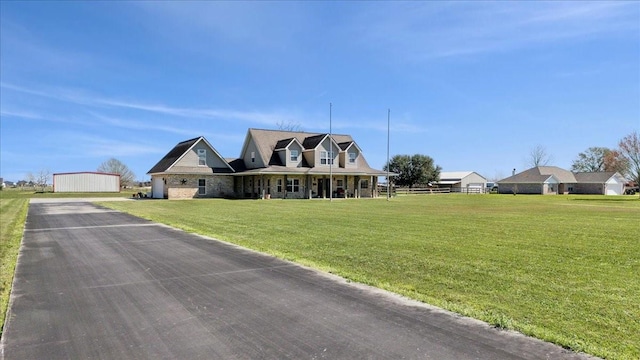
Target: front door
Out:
[320,188]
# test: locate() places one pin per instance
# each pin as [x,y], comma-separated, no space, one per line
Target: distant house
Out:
[462,181]
[272,164]
[86,182]
[554,180]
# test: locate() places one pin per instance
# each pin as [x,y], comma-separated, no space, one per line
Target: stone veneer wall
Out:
[218,186]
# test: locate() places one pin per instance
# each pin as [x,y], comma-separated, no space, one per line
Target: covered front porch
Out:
[305,186]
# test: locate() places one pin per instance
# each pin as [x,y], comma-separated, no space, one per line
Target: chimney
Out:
[513,172]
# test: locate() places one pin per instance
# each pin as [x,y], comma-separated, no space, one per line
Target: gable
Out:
[184,158]
[172,156]
[191,158]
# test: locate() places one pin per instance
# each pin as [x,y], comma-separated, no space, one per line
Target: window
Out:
[339,183]
[279,185]
[364,184]
[202,157]
[202,187]
[352,158]
[294,155]
[293,185]
[326,157]
[253,156]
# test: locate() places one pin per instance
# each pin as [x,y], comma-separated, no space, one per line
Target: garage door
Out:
[614,189]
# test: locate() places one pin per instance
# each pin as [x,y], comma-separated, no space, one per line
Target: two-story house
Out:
[272,164]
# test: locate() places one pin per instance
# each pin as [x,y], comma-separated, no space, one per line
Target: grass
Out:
[13,213]
[560,268]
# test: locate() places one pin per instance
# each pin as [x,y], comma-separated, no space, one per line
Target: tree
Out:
[630,150]
[599,159]
[43,178]
[288,126]
[115,166]
[412,170]
[539,157]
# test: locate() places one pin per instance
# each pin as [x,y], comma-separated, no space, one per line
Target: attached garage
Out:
[606,183]
[86,182]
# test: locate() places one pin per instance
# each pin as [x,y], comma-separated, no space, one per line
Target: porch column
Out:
[262,185]
[285,187]
[374,181]
[356,187]
[324,187]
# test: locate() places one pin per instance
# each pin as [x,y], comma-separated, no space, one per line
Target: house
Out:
[555,180]
[272,164]
[86,182]
[462,181]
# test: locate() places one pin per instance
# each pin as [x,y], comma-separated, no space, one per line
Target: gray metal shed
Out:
[86,182]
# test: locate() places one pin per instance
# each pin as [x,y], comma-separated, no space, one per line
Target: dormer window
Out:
[253,156]
[326,157]
[202,157]
[294,155]
[352,158]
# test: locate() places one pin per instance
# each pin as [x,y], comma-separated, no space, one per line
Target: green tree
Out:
[115,166]
[412,170]
[599,159]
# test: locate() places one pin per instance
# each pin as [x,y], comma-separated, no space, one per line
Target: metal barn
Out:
[86,182]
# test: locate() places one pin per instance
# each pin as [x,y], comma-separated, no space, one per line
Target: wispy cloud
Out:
[269,118]
[464,28]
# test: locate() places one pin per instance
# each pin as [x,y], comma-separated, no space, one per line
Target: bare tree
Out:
[42,179]
[630,150]
[30,179]
[115,166]
[288,126]
[539,157]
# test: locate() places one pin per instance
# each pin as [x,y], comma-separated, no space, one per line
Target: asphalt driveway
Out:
[96,283]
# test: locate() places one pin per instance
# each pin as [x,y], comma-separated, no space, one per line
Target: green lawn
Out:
[563,269]
[13,212]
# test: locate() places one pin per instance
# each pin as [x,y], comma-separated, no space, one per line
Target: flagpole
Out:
[388,131]
[330,156]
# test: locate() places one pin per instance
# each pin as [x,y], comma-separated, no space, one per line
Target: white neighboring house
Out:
[462,181]
[86,182]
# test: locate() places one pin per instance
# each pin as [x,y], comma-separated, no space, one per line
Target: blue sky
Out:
[475,85]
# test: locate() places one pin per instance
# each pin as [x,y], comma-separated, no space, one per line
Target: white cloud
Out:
[419,31]
[268,118]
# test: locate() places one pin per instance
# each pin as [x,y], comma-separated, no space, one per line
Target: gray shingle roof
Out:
[173,155]
[594,177]
[312,141]
[267,141]
[540,174]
